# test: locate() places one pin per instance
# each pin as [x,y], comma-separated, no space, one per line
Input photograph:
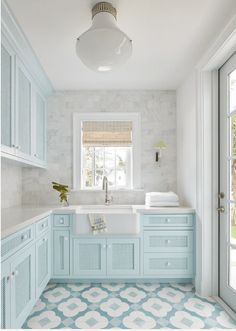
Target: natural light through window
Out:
[106,144]
[112,162]
[107,151]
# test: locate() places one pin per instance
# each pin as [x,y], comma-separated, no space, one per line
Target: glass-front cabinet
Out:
[23,110]
[7,92]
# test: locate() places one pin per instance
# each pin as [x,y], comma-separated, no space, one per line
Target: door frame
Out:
[206,280]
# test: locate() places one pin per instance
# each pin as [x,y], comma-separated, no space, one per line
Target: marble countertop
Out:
[16,218]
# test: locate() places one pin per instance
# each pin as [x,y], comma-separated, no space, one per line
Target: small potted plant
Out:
[64,192]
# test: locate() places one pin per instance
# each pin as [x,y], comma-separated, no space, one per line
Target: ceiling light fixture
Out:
[104,46]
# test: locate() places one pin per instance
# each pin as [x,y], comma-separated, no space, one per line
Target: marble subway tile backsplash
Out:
[11,184]
[158,121]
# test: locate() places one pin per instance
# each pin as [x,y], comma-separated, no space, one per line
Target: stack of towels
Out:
[162,199]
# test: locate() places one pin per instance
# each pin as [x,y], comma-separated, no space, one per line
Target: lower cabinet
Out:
[89,257]
[61,252]
[43,263]
[105,257]
[5,295]
[123,257]
[22,287]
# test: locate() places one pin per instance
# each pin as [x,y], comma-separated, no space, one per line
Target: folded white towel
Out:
[162,196]
[98,223]
[163,204]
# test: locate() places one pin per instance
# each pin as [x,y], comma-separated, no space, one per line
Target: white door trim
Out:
[207,159]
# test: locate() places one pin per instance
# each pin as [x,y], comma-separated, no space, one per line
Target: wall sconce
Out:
[160,145]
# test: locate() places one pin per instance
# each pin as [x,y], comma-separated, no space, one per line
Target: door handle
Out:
[221,209]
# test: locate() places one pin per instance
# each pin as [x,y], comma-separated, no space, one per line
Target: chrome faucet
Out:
[108,199]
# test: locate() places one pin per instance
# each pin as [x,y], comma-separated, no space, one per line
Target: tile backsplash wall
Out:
[158,121]
[11,184]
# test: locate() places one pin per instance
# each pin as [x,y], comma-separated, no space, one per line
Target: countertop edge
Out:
[140,209]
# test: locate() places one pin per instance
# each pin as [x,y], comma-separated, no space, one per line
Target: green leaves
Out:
[62,189]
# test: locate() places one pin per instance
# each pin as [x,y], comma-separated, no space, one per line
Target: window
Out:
[106,145]
[112,162]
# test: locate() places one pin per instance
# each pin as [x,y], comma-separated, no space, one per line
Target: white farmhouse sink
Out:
[120,219]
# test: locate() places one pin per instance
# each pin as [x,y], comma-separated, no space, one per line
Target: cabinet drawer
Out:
[168,241]
[16,241]
[168,264]
[167,220]
[61,220]
[42,225]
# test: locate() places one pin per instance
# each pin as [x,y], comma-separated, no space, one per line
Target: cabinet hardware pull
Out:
[168,220]
[66,238]
[168,264]
[61,220]
[168,241]
[103,246]
[24,237]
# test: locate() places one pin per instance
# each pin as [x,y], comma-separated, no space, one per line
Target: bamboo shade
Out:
[107,133]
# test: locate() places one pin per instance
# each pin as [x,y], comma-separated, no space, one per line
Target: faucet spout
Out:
[108,199]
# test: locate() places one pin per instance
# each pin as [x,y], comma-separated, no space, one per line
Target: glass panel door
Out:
[227,195]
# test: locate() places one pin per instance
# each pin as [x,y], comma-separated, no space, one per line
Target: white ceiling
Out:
[168,37]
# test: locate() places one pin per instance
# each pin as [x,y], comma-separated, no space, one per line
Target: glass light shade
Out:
[104,47]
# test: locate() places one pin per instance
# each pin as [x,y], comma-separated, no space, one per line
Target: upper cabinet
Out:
[24,89]
[7,93]
[24,111]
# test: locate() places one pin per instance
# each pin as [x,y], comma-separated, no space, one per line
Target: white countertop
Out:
[16,218]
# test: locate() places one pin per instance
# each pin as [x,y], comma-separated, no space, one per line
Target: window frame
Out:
[78,119]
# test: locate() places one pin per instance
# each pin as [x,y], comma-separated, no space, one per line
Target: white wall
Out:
[186,141]
[11,184]
[158,121]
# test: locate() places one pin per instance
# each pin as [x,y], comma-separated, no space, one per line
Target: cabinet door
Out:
[89,257]
[40,126]
[5,295]
[22,286]
[122,257]
[23,110]
[61,252]
[43,261]
[7,97]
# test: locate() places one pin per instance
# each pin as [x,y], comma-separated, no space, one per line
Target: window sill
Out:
[110,190]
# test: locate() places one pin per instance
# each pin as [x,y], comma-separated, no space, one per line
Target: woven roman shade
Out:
[107,133]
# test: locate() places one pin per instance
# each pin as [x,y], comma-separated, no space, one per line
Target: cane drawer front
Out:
[168,241]
[61,220]
[16,241]
[168,220]
[42,226]
[168,264]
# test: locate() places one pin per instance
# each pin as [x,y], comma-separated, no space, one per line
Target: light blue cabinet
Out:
[89,257]
[168,246]
[23,110]
[24,88]
[5,296]
[7,100]
[95,257]
[40,127]
[123,257]
[61,252]
[43,263]
[22,286]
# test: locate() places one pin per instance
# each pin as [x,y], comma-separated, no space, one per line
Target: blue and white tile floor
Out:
[125,306]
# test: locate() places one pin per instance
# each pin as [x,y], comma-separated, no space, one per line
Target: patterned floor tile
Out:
[126,306]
